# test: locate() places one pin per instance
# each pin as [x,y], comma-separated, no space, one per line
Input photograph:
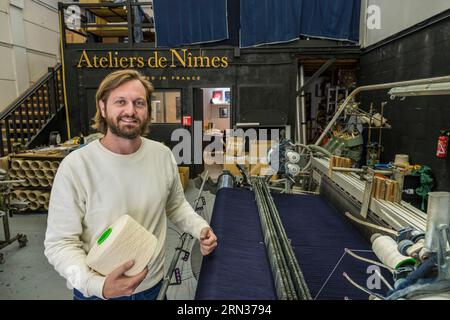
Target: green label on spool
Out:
[104,236]
[406,262]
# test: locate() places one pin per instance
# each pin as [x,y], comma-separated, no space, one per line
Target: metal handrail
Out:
[372,88]
[45,104]
[28,93]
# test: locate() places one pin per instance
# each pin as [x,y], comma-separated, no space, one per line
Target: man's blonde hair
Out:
[111,82]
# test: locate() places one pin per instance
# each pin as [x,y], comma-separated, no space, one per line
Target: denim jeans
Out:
[149,294]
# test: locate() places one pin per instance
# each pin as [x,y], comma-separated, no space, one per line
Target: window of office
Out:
[166,106]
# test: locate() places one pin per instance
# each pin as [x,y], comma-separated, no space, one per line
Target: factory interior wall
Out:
[262,85]
[416,121]
[396,16]
[29,44]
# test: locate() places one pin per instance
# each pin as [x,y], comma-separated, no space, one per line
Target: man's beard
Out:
[126,131]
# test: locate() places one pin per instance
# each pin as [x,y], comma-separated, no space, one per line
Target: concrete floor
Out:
[26,273]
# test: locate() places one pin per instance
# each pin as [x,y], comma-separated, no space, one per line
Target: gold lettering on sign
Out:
[84,59]
[182,58]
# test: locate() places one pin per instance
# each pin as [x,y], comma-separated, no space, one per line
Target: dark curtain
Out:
[272,21]
[331,19]
[185,22]
[269,21]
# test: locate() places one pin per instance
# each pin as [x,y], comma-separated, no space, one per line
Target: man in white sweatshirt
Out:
[121,173]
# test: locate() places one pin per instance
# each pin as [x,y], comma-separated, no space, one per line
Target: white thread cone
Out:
[123,241]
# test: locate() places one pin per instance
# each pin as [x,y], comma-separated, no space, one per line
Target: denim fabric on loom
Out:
[239,267]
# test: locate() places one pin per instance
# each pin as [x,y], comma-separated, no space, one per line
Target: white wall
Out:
[29,44]
[398,15]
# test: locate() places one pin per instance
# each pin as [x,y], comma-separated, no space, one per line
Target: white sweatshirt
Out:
[94,187]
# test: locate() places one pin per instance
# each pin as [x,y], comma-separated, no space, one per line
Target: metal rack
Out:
[6,212]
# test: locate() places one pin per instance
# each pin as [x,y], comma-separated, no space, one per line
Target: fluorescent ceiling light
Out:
[434,89]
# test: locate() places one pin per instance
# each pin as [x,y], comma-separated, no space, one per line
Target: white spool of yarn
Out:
[387,252]
[123,241]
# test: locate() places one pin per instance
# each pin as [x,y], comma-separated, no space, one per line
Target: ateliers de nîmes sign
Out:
[172,58]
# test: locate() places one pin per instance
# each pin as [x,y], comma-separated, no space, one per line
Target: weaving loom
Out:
[239,267]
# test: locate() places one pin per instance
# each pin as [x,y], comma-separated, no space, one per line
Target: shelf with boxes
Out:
[37,174]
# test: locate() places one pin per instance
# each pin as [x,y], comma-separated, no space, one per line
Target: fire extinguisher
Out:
[443,144]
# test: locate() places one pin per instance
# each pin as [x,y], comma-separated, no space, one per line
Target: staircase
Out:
[25,118]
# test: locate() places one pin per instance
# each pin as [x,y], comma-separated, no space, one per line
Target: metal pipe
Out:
[316,148]
[303,138]
[205,178]
[299,283]
[371,88]
[359,170]
[297,109]
[283,282]
[278,250]
[286,271]
[225,180]
[438,213]
[4,215]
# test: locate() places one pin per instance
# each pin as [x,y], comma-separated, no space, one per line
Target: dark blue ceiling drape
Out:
[269,21]
[272,21]
[332,19]
[185,22]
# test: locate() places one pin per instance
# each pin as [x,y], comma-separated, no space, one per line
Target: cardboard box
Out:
[72,37]
[184,176]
